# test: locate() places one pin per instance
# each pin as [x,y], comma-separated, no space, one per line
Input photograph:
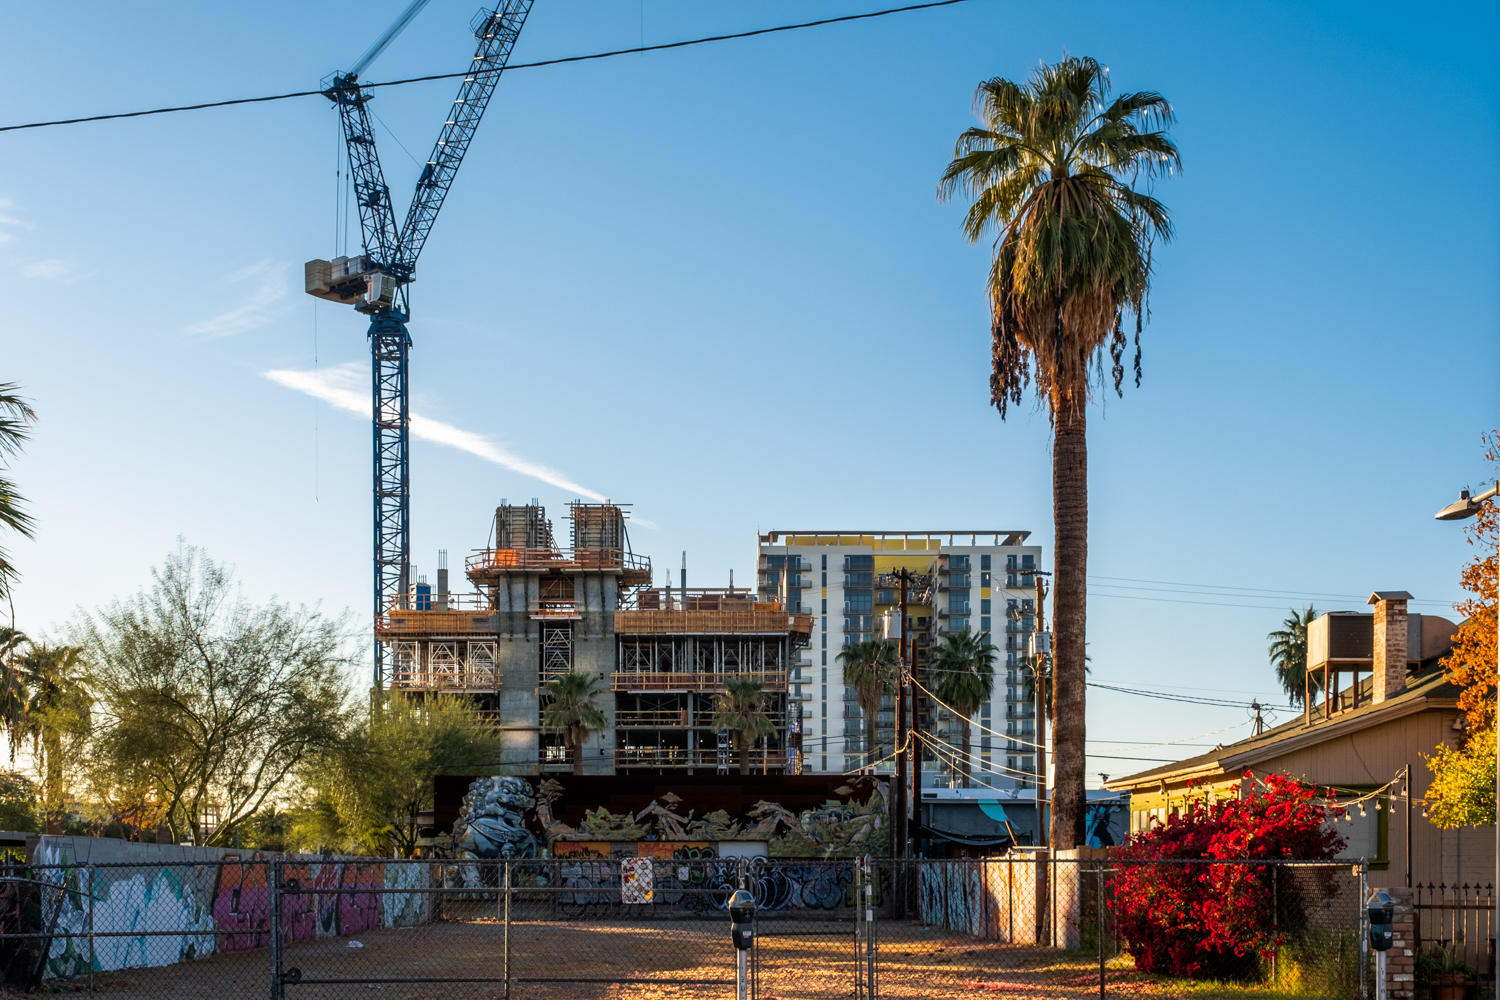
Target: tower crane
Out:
[375,282]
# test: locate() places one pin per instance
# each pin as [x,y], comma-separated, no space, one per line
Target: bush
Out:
[1219,921]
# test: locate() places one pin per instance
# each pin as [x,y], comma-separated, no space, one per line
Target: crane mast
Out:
[375,282]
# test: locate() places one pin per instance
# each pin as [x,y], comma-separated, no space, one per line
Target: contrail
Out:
[334,386]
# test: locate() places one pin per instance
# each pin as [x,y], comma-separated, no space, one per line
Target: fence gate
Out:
[501,928]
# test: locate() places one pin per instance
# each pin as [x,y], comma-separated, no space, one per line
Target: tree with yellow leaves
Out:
[1463,784]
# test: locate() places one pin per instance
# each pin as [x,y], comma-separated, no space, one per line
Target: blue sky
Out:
[716,283]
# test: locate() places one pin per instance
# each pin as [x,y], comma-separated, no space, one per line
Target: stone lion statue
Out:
[491,823]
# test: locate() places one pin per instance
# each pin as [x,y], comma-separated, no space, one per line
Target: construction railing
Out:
[773,680]
[673,757]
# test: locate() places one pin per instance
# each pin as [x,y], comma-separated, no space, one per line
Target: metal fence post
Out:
[1276,871]
[1099,919]
[506,944]
[1364,927]
[93,872]
[273,898]
[874,986]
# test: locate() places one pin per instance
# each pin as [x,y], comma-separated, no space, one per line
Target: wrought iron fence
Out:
[1459,919]
[581,925]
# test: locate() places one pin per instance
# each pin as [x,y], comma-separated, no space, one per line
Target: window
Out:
[984,579]
[857,600]
[885,597]
[984,605]
[825,576]
[858,579]
[825,656]
[958,562]
[825,616]
[984,561]
[1010,579]
[984,626]
[825,642]
[958,580]
[1010,564]
[825,566]
[825,681]
[1027,606]
[825,608]
[859,623]
[859,564]
[1028,562]
[958,624]
[958,602]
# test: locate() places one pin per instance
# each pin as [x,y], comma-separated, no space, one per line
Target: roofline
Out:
[1230,763]
[770,537]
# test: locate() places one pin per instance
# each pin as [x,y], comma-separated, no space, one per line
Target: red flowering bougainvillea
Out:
[1219,920]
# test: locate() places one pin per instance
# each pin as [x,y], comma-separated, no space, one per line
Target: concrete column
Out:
[1389,651]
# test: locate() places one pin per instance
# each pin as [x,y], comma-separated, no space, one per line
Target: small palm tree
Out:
[963,677]
[742,708]
[16,418]
[1053,170]
[1289,655]
[12,688]
[869,668]
[573,708]
[57,717]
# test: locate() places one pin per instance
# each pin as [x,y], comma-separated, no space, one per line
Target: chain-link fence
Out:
[587,926]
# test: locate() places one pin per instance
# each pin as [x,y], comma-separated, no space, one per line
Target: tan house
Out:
[1393,709]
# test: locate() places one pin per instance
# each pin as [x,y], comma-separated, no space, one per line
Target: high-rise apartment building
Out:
[982,581]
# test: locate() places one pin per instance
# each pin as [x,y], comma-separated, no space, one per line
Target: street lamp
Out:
[1465,507]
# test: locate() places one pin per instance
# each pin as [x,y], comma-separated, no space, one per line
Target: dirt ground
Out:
[657,961]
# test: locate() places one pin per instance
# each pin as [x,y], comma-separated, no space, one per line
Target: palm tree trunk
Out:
[55,812]
[1070,511]
[963,729]
[744,747]
[576,750]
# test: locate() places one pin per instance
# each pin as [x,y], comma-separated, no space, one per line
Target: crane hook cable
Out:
[513,66]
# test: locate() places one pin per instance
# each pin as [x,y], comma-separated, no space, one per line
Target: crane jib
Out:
[375,282]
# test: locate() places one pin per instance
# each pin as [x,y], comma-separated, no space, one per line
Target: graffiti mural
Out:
[216,907]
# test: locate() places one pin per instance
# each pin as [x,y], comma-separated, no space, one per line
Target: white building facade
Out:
[982,581]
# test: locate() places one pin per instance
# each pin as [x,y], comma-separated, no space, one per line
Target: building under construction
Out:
[540,611]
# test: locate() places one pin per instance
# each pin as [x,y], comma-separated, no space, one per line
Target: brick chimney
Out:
[1390,643]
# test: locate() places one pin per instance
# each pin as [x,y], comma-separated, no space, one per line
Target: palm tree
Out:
[12,689]
[741,708]
[15,420]
[1289,655]
[868,669]
[57,717]
[963,678]
[573,707]
[1052,171]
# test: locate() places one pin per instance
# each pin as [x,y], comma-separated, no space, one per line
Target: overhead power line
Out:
[1186,698]
[509,69]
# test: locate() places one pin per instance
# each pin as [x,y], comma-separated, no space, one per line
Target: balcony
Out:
[700,683]
[555,610]
[489,564]
[676,719]
[759,621]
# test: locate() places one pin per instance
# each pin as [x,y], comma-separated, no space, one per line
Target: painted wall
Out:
[217,905]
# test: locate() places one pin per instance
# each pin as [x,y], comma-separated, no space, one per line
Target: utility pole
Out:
[902,670]
[1041,651]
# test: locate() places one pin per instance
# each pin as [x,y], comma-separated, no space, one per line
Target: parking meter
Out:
[742,919]
[1381,909]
